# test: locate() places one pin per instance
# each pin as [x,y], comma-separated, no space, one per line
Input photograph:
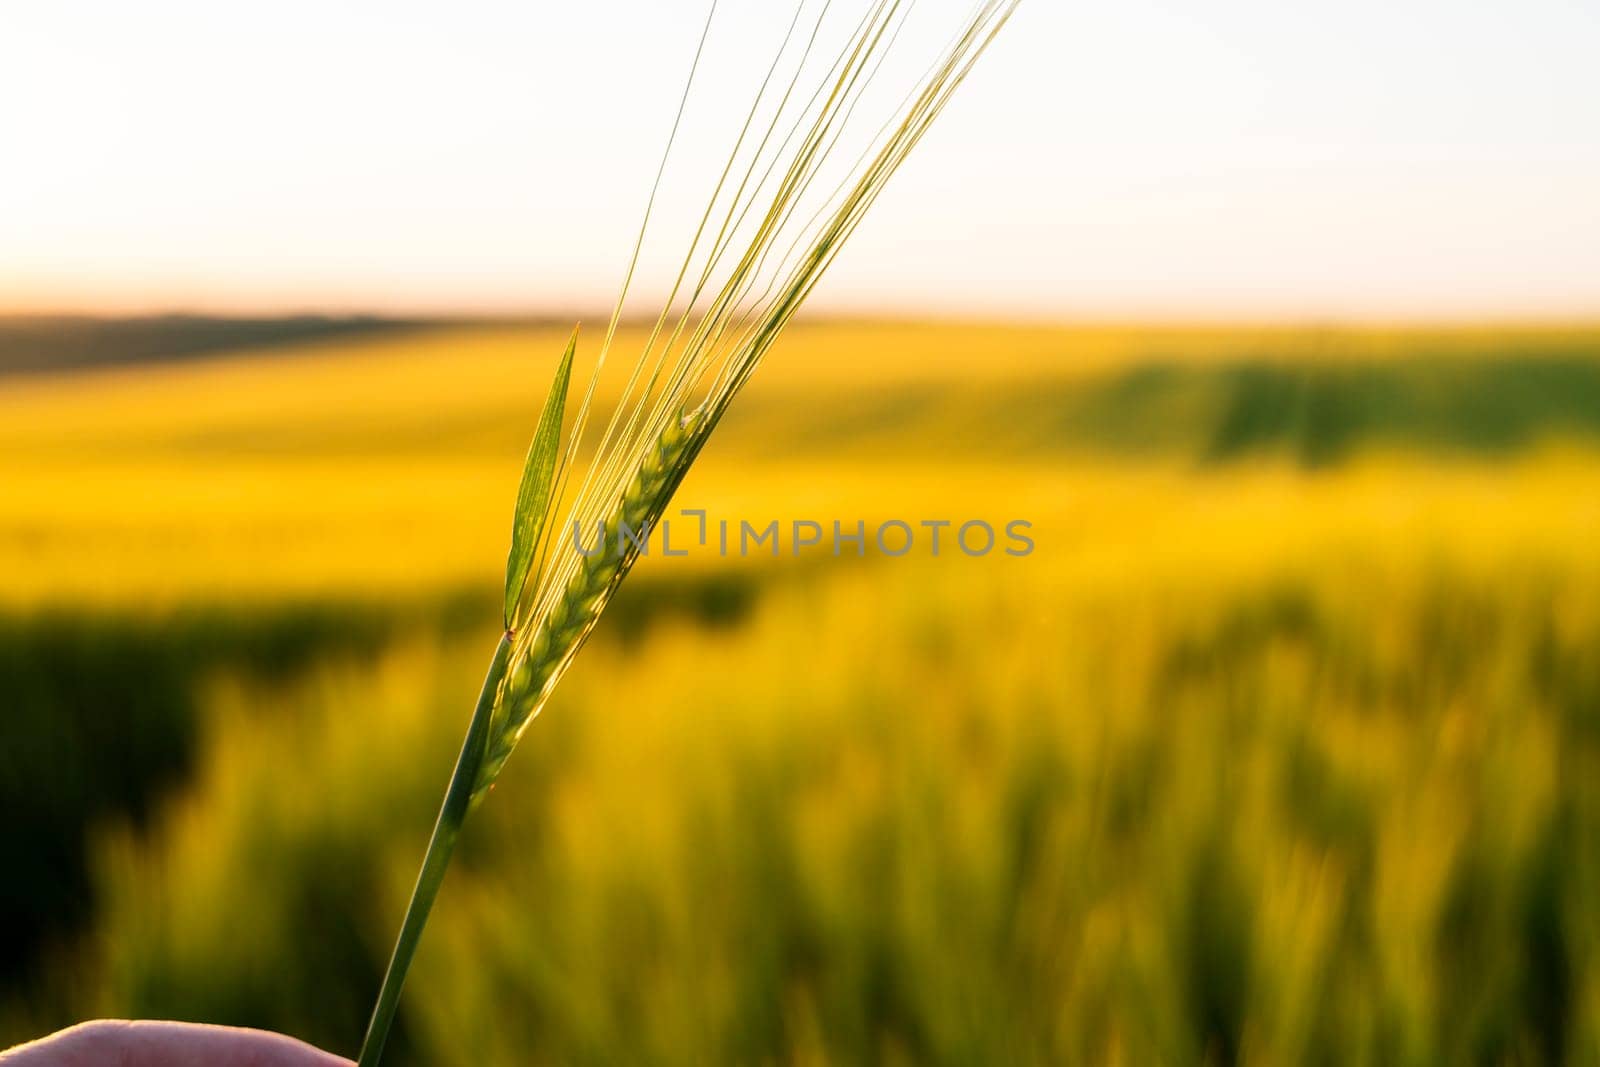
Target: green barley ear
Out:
[554,635]
[533,496]
[776,220]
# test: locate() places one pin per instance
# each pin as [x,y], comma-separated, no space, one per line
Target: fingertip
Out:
[168,1044]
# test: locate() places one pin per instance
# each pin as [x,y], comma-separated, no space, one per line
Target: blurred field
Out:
[1281,748]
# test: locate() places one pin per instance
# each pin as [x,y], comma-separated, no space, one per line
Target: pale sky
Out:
[1406,158]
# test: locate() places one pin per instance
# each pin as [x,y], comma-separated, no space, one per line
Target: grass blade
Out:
[533,496]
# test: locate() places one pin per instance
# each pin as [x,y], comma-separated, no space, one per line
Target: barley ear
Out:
[533,496]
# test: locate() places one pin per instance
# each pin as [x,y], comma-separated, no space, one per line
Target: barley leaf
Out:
[538,474]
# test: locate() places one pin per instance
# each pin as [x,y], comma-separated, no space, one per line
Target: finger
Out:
[163,1044]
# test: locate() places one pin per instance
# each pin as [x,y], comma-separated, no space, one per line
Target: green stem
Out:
[457,802]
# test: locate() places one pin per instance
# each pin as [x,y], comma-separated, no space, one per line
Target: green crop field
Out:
[1281,747]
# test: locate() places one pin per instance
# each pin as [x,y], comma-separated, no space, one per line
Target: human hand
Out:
[158,1044]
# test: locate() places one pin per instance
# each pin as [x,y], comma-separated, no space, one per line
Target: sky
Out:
[1237,158]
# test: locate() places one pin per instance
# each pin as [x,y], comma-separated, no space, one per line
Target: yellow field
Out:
[382,467]
[1274,750]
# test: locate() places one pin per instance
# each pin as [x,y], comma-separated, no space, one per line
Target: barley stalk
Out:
[553,597]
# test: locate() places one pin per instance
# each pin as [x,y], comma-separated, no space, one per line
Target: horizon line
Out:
[1168,316]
